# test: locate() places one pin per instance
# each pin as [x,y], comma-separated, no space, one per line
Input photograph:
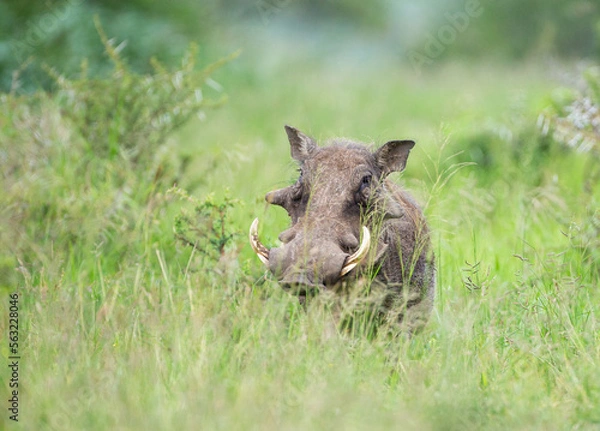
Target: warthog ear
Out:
[301,144]
[278,197]
[391,157]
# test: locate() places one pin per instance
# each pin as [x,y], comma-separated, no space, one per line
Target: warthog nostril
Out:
[301,289]
[349,242]
[300,284]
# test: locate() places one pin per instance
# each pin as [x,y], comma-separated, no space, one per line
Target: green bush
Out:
[573,120]
[86,168]
[130,114]
[207,229]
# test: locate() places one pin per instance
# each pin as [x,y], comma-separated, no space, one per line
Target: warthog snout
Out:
[307,263]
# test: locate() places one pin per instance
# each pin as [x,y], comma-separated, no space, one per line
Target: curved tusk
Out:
[359,255]
[261,251]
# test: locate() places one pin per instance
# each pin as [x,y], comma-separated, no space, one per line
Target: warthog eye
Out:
[365,182]
[363,189]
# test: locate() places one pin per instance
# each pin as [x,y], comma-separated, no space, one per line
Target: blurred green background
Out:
[61,32]
[143,307]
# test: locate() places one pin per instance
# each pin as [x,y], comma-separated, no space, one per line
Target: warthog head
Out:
[340,188]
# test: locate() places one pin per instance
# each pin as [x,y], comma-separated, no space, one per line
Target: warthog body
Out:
[350,223]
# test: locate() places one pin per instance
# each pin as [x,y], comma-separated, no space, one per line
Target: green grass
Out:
[125,327]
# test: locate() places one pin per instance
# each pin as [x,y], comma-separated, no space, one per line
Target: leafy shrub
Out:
[131,114]
[208,229]
[577,122]
[84,169]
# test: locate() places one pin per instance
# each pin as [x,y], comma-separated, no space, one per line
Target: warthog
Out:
[343,195]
